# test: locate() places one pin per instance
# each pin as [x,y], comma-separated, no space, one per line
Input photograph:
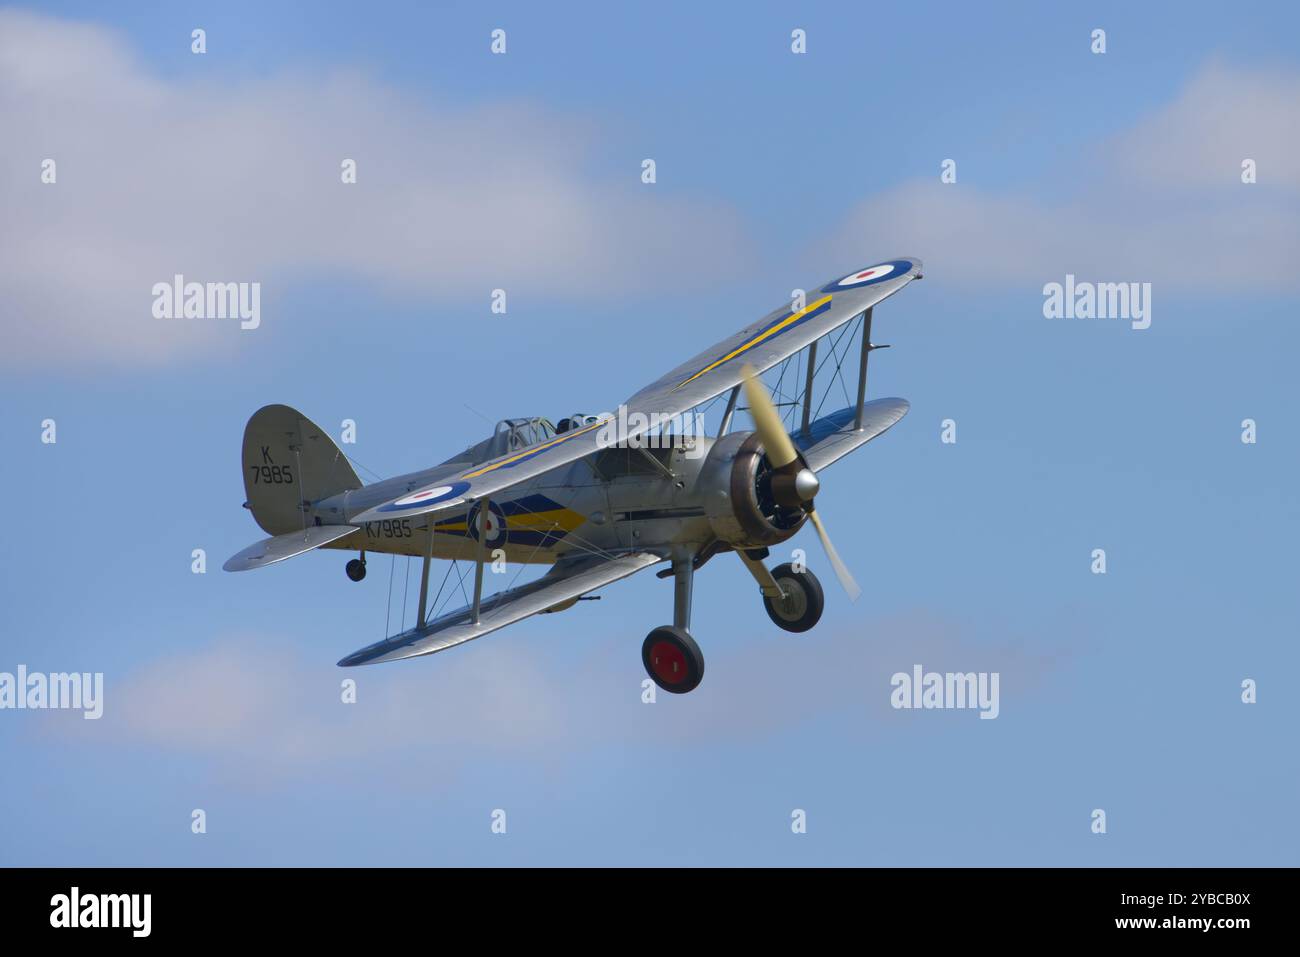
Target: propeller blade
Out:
[767,421]
[841,570]
[781,453]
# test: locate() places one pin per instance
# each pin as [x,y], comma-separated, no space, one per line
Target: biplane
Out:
[601,497]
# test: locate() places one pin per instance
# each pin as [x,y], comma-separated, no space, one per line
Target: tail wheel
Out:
[356,569]
[802,606]
[672,659]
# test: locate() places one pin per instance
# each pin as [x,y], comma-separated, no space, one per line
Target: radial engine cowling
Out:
[736,486]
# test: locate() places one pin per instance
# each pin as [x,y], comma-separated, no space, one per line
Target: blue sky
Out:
[775,171]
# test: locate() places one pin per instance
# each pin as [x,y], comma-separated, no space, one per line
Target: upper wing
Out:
[778,335]
[567,579]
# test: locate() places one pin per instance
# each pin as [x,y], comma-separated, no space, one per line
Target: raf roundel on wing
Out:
[869,276]
[427,496]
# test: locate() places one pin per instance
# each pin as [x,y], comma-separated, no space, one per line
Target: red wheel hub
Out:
[669,662]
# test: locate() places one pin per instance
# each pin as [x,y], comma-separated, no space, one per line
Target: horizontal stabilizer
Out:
[279,547]
[832,436]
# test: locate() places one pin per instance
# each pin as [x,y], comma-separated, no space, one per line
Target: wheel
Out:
[802,606]
[356,569]
[672,659]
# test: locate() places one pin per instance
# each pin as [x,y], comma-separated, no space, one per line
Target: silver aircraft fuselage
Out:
[618,499]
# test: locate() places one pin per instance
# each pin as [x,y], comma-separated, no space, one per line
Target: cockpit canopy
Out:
[577,421]
[510,435]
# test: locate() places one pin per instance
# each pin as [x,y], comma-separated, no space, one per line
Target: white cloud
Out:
[253,701]
[242,183]
[1163,204]
[1224,116]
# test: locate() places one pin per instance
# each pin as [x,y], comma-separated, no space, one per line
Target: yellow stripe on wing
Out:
[765,334]
[531,451]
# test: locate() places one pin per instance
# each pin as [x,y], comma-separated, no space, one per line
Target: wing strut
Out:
[731,410]
[807,385]
[424,576]
[867,346]
[479,558]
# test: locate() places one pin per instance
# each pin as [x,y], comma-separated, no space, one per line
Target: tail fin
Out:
[288,461]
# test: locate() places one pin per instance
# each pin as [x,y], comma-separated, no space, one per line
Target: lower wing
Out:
[568,579]
[834,436]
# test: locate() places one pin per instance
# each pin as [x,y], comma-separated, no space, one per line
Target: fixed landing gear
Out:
[802,601]
[672,659]
[793,599]
[356,568]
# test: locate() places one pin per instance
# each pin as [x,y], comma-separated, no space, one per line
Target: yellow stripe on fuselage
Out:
[564,519]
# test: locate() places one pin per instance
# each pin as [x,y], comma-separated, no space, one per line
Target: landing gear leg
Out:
[683,587]
[671,657]
[356,568]
[753,559]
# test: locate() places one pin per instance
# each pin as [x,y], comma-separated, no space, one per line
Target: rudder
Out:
[288,459]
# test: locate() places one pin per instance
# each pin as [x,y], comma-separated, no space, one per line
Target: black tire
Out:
[672,659]
[356,569]
[803,607]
